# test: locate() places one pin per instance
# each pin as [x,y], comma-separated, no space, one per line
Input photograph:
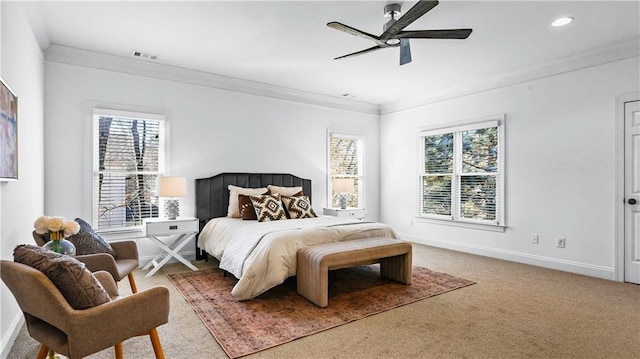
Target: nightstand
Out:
[358,213]
[180,231]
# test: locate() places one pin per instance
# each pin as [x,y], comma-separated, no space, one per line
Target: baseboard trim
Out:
[14,330]
[519,257]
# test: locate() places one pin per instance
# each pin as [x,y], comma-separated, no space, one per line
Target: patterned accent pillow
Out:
[87,241]
[76,283]
[268,207]
[246,207]
[298,207]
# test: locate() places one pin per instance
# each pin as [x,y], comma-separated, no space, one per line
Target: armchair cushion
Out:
[87,241]
[76,283]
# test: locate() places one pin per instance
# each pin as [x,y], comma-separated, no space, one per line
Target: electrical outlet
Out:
[561,242]
[534,239]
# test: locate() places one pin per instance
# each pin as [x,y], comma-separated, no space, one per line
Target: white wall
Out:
[560,174]
[22,201]
[210,131]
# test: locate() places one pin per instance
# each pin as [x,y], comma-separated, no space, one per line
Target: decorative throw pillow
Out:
[76,283]
[233,211]
[285,191]
[268,207]
[87,241]
[246,207]
[298,207]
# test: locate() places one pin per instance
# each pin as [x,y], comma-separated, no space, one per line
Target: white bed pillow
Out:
[234,205]
[284,191]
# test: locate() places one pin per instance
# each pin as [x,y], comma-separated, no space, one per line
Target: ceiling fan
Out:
[393,36]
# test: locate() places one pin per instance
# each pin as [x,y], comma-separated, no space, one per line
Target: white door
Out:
[632,192]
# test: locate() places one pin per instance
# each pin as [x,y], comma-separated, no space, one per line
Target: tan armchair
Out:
[127,262]
[78,333]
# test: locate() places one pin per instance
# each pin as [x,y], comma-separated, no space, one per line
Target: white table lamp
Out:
[343,186]
[172,187]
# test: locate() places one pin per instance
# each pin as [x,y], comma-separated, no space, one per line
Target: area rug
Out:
[281,315]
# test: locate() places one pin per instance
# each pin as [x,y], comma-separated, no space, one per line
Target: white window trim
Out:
[362,180]
[484,122]
[92,108]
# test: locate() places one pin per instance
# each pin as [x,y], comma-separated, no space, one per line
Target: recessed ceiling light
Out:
[562,21]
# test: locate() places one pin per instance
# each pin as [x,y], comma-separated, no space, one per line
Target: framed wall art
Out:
[8,133]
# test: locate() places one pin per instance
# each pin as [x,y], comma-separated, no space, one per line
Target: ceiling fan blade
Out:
[353,31]
[419,9]
[359,52]
[405,52]
[435,34]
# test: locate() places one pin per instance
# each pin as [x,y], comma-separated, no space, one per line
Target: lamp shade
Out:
[343,185]
[172,187]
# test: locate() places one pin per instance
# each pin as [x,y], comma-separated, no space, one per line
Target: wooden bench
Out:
[315,262]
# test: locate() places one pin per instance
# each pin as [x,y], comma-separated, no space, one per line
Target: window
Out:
[346,161]
[462,173]
[128,157]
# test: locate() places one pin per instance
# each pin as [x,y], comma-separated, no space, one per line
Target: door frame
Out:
[619,187]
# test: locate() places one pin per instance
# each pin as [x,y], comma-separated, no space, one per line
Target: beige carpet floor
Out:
[514,311]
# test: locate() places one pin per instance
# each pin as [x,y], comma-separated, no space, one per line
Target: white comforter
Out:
[263,254]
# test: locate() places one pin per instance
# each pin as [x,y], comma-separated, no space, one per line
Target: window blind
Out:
[461,173]
[346,161]
[128,158]
[437,174]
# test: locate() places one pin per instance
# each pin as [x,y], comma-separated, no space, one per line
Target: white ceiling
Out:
[287,43]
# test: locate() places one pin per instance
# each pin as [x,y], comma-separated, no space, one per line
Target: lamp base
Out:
[171,208]
[343,201]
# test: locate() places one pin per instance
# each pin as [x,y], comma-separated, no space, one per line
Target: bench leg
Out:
[313,284]
[398,268]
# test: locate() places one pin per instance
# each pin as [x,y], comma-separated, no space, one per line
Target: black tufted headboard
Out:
[212,194]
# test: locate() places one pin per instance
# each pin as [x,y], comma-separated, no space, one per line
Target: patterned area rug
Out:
[281,315]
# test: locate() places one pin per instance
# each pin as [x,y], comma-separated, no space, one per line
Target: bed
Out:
[263,254]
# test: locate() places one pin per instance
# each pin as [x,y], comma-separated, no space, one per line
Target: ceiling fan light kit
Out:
[393,34]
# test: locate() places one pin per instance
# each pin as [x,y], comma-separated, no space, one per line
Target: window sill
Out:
[461,224]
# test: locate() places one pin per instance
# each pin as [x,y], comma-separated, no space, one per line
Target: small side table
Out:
[181,230]
[358,213]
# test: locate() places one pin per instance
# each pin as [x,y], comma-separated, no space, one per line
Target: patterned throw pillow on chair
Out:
[87,241]
[298,207]
[268,207]
[76,283]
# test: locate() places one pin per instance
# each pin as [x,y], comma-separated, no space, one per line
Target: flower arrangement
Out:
[58,229]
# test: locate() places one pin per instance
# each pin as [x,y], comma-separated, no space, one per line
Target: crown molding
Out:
[79,57]
[594,57]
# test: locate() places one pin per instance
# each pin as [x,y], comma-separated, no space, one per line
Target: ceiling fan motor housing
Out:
[393,34]
[392,11]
